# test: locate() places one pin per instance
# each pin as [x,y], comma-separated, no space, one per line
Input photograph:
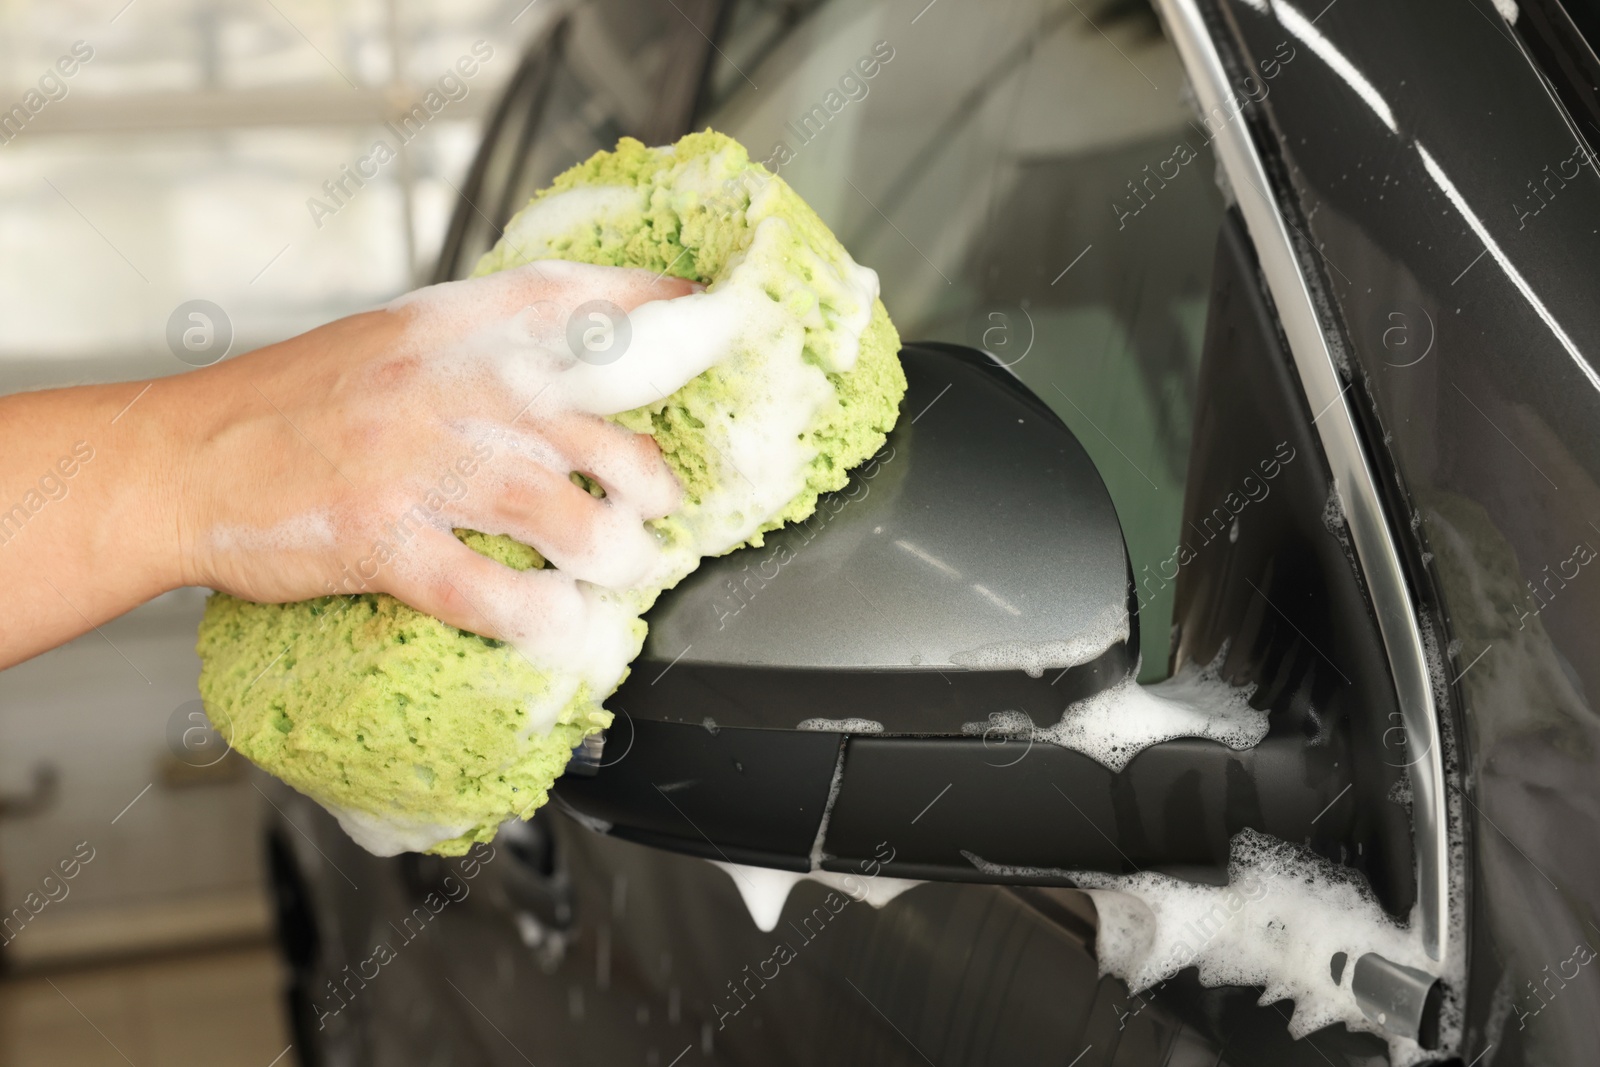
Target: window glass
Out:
[605,70]
[1025,178]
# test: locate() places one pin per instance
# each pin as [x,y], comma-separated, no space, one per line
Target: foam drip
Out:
[765,891]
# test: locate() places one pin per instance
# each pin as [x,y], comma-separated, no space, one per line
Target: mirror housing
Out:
[979,541]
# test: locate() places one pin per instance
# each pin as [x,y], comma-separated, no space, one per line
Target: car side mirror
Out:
[861,692]
[909,730]
[973,570]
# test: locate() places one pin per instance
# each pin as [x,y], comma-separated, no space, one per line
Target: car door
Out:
[1449,190]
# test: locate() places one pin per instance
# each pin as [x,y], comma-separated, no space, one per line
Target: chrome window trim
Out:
[1370,533]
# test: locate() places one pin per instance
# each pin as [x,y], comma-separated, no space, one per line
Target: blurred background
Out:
[200,151]
[177,166]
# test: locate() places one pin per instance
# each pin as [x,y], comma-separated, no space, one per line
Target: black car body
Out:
[1390,276]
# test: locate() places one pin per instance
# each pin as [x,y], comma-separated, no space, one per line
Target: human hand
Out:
[340,460]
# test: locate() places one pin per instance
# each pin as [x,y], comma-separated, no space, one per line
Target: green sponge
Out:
[420,736]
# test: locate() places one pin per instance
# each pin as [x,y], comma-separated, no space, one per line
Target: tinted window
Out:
[608,69]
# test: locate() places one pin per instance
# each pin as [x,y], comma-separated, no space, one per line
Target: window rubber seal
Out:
[1286,273]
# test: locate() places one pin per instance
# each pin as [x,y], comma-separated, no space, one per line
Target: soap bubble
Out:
[598,332]
[543,322]
[199,332]
[997,743]
[1008,737]
[193,739]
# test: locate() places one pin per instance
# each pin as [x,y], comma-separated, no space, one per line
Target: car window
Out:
[1025,177]
[604,70]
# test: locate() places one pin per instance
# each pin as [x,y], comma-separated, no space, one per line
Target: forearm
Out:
[89,518]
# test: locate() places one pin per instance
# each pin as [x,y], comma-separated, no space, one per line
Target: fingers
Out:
[603,541]
[530,329]
[627,465]
[546,615]
[627,287]
[667,344]
[541,296]
[537,609]
[508,333]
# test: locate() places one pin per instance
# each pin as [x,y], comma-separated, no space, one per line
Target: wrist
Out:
[156,511]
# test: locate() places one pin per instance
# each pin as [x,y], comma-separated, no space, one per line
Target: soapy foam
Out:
[1452,1007]
[531,232]
[388,835]
[1333,518]
[545,709]
[1277,924]
[1116,724]
[765,891]
[1018,872]
[1035,659]
[827,811]
[844,726]
[838,349]
[578,621]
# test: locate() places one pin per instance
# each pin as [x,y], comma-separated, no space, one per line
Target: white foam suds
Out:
[1277,924]
[1452,1008]
[530,232]
[1116,724]
[543,710]
[765,891]
[1035,659]
[844,726]
[834,786]
[1400,792]
[1019,872]
[1333,518]
[389,835]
